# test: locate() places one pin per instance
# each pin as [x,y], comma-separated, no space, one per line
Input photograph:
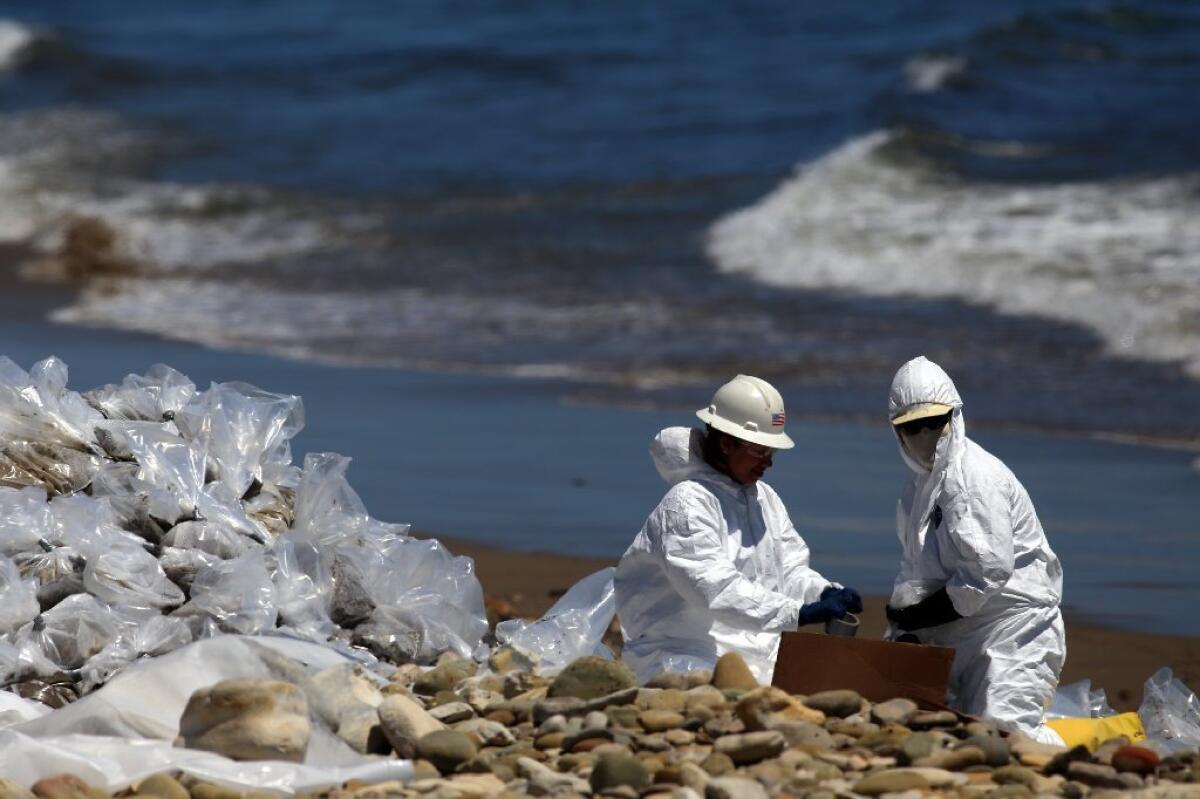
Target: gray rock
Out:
[995,749]
[404,723]
[840,703]
[751,747]
[625,696]
[931,719]
[734,788]
[917,747]
[452,712]
[489,733]
[613,770]
[1095,775]
[894,711]
[444,677]
[248,720]
[545,780]
[351,603]
[558,706]
[804,733]
[446,749]
[592,677]
[595,720]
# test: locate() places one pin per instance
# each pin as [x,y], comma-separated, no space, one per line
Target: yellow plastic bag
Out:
[1093,732]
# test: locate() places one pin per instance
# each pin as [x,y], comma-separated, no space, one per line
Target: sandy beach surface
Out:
[1116,660]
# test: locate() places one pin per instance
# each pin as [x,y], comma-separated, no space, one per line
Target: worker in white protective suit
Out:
[718,566]
[977,573]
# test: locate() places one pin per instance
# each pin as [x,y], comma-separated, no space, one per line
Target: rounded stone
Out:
[734,788]
[840,703]
[591,677]
[751,747]
[660,720]
[894,711]
[890,782]
[611,771]
[444,677]
[446,749]
[731,672]
[718,763]
[164,786]
[995,749]
[404,722]
[248,720]
[1135,760]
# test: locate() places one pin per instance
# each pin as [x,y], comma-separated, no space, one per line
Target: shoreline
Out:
[1119,661]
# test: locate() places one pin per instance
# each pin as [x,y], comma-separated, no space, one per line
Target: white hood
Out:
[678,454]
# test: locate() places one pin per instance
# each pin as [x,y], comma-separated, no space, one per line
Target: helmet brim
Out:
[774,440]
[924,410]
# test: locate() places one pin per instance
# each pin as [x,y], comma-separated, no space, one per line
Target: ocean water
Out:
[619,206]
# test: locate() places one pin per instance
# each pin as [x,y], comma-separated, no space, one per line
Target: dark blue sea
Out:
[619,205]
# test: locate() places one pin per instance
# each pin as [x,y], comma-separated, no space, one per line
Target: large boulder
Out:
[248,720]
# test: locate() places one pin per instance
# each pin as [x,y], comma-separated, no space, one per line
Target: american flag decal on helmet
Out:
[777,419]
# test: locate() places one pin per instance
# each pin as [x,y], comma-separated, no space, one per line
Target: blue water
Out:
[510,205]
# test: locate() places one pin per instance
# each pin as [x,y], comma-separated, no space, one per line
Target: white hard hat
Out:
[751,409]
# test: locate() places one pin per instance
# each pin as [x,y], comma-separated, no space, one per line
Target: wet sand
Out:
[1115,660]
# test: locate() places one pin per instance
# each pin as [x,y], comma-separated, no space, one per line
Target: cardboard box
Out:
[879,670]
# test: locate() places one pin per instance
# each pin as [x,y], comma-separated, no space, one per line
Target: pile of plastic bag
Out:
[1169,714]
[137,518]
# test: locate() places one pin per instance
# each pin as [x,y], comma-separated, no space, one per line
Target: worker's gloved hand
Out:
[820,611]
[931,611]
[850,599]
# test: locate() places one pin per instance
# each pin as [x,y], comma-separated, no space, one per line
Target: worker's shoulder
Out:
[691,489]
[985,469]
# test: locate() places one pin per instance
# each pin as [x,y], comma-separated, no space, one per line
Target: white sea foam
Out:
[16,41]
[1121,258]
[931,73]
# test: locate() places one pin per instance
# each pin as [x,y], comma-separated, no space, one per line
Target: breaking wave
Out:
[17,43]
[1121,258]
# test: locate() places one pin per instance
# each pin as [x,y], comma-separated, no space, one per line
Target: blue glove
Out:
[820,611]
[848,596]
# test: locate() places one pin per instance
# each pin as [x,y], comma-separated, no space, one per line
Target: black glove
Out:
[931,611]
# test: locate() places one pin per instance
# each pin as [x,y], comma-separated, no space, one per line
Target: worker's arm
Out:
[698,567]
[976,541]
[798,579]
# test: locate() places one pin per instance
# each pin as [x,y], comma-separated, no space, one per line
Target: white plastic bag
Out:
[1170,712]
[571,629]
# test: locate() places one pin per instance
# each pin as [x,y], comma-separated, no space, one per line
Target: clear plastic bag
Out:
[242,427]
[74,630]
[327,509]
[46,431]
[18,597]
[571,629]
[303,587]
[152,397]
[182,565]
[215,539]
[219,504]
[166,461]
[130,577]
[238,594]
[402,635]
[1170,712]
[139,506]
[1079,701]
[87,525]
[423,578]
[24,519]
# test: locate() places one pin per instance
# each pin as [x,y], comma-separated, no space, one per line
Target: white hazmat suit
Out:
[969,526]
[717,567]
